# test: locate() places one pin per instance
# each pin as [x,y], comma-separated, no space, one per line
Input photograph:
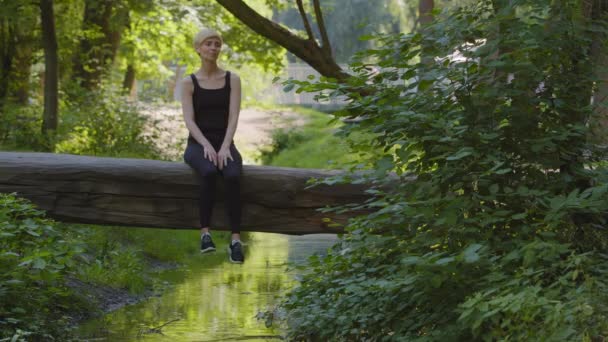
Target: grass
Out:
[312,145]
[121,257]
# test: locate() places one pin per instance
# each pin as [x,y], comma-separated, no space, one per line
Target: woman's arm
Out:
[235,108]
[188,111]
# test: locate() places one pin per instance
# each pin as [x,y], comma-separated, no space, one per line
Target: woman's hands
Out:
[209,152]
[219,159]
[222,157]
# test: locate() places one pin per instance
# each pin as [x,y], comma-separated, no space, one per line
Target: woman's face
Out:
[210,48]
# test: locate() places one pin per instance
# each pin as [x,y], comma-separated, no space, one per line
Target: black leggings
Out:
[207,172]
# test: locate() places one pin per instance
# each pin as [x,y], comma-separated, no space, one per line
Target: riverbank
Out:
[108,298]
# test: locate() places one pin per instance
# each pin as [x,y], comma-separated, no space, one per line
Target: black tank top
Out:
[211,110]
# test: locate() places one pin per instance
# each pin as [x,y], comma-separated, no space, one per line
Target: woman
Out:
[211,101]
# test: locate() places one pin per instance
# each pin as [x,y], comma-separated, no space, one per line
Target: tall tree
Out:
[18,34]
[103,24]
[20,72]
[51,72]
[7,53]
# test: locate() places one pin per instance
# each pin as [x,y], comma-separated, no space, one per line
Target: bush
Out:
[20,126]
[104,122]
[34,258]
[282,139]
[495,227]
[98,122]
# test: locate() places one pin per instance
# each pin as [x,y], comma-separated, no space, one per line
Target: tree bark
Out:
[308,50]
[23,41]
[425,17]
[305,21]
[325,44]
[21,70]
[7,53]
[51,72]
[596,10]
[151,193]
[425,9]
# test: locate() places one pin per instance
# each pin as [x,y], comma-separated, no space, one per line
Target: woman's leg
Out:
[207,172]
[232,185]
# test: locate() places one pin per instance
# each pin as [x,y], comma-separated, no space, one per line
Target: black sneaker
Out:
[235,253]
[207,244]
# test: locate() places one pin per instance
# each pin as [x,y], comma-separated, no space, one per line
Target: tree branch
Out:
[307,50]
[324,38]
[305,20]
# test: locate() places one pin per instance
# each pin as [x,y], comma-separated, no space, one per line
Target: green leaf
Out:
[464,152]
[444,261]
[425,84]
[470,253]
[503,171]
[39,264]
[13,282]
[519,216]
[288,87]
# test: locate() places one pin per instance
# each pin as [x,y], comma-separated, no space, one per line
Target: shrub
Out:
[34,258]
[104,122]
[495,227]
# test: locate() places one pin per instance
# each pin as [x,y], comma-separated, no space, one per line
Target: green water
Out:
[214,300]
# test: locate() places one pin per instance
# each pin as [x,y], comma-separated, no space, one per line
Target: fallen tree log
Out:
[151,193]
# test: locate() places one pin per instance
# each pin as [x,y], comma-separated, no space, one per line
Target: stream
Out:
[211,299]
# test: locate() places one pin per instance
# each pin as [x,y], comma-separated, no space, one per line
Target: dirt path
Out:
[254,129]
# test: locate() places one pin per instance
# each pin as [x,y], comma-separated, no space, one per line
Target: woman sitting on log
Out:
[211,101]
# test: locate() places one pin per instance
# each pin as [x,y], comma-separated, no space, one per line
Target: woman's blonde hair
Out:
[203,34]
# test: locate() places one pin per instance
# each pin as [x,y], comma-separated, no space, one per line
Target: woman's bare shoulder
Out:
[234,77]
[186,83]
[186,80]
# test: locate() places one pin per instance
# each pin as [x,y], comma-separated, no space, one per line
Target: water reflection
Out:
[215,300]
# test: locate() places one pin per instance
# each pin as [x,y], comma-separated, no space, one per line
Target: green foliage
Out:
[103,122]
[40,258]
[282,139]
[20,126]
[34,258]
[159,41]
[99,122]
[487,217]
[161,244]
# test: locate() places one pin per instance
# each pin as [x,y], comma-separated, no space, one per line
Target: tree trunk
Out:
[96,55]
[598,10]
[129,80]
[425,7]
[320,58]
[7,53]
[425,17]
[21,70]
[51,79]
